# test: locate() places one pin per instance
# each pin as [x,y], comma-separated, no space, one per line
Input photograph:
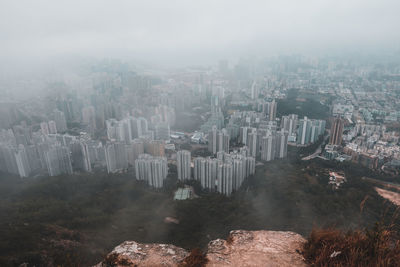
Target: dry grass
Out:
[379,246]
[196,258]
[229,240]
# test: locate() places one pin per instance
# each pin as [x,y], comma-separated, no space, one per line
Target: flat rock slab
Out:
[242,248]
[257,248]
[131,253]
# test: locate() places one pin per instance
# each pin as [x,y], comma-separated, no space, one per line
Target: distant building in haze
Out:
[218,140]
[336,131]
[60,120]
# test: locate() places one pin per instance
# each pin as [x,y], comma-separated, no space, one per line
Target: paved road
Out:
[317,151]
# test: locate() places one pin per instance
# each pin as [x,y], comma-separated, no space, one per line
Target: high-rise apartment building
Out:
[254,90]
[218,140]
[243,135]
[268,147]
[116,156]
[281,144]
[80,156]
[212,140]
[253,143]
[272,110]
[22,161]
[52,127]
[304,131]
[155,148]
[60,120]
[336,131]
[199,170]
[89,118]
[225,173]
[58,160]
[225,178]
[153,170]
[134,149]
[183,159]
[310,130]
[289,123]
[162,131]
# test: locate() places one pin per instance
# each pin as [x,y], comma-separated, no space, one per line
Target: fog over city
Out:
[219,132]
[193,32]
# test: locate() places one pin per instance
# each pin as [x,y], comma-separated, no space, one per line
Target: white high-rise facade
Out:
[183,158]
[268,147]
[253,143]
[225,173]
[52,127]
[116,156]
[281,144]
[58,160]
[289,123]
[22,162]
[153,170]
[60,120]
[218,140]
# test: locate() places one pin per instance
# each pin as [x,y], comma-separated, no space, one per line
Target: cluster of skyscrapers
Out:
[370,145]
[130,137]
[26,153]
[226,172]
[153,170]
[119,155]
[274,145]
[127,129]
[289,124]
[223,174]
[23,152]
[37,152]
[268,108]
[309,130]
[218,140]
[265,142]
[163,114]
[58,124]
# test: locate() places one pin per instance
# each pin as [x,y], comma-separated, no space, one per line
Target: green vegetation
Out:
[303,105]
[297,152]
[189,121]
[76,220]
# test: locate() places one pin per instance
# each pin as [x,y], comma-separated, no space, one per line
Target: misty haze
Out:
[199,133]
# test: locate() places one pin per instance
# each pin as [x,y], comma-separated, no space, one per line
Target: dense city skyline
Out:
[181,122]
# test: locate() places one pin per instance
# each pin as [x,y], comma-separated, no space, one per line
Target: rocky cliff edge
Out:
[242,248]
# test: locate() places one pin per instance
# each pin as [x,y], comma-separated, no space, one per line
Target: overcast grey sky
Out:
[184,31]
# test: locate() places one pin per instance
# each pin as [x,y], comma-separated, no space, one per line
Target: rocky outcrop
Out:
[389,195]
[256,248]
[242,248]
[131,253]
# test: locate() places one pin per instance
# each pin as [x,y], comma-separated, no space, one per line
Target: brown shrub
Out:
[196,258]
[229,240]
[379,246]
[114,259]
